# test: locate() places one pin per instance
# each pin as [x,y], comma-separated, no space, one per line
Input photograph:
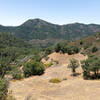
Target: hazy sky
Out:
[15,12]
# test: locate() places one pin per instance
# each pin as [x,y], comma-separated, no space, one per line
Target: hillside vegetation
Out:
[37,29]
[89,45]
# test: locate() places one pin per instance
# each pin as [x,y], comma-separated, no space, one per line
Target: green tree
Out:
[58,47]
[92,64]
[4,67]
[81,42]
[75,49]
[48,51]
[69,50]
[73,65]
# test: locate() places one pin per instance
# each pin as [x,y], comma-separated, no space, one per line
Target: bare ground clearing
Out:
[74,88]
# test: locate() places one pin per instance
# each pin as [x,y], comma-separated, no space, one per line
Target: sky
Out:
[15,12]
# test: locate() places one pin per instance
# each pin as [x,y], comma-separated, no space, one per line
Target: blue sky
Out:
[15,12]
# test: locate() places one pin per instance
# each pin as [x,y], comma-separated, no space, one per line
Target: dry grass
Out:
[48,65]
[55,80]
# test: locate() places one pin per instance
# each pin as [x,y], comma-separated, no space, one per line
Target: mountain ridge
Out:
[40,29]
[49,22]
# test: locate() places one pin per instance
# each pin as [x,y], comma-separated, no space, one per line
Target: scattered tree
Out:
[73,65]
[58,47]
[81,42]
[91,67]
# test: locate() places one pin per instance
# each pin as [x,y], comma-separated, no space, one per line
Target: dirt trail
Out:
[39,88]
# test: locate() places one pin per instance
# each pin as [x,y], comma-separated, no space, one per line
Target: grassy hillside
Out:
[88,44]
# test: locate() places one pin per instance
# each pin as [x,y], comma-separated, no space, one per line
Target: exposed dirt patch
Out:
[74,88]
[63,59]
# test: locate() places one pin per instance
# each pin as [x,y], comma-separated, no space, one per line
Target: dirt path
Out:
[39,88]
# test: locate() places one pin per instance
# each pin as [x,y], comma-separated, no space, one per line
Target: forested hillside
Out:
[42,30]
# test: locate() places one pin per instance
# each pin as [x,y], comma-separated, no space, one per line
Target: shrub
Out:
[94,49]
[55,80]
[72,50]
[37,57]
[66,49]
[58,47]
[33,68]
[75,49]
[17,75]
[3,89]
[81,42]
[48,51]
[86,47]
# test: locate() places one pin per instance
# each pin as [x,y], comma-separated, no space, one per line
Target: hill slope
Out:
[8,40]
[42,30]
[12,47]
[88,43]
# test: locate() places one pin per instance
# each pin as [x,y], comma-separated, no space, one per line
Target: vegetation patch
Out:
[64,48]
[91,68]
[3,89]
[48,65]
[17,75]
[33,68]
[55,80]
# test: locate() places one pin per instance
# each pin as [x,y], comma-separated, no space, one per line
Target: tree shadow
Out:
[76,74]
[93,77]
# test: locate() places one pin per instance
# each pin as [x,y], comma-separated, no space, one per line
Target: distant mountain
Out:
[42,30]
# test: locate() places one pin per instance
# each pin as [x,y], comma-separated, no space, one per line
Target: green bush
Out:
[81,42]
[33,68]
[75,49]
[3,89]
[94,49]
[58,47]
[17,75]
[66,49]
[48,51]
[86,47]
[92,64]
